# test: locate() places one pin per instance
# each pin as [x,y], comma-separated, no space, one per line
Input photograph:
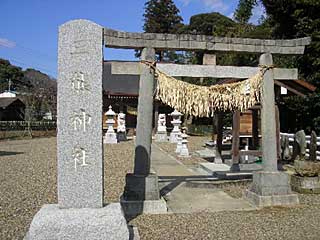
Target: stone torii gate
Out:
[80,212]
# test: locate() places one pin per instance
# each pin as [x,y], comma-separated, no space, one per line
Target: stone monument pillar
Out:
[121,129]
[161,135]
[176,122]
[270,187]
[110,137]
[142,185]
[80,212]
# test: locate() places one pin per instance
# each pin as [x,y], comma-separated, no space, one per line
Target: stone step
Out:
[217,183]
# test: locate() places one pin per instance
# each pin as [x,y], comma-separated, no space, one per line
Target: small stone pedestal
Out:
[305,184]
[271,189]
[52,222]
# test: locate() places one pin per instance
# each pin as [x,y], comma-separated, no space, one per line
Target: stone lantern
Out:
[176,122]
[110,136]
[184,151]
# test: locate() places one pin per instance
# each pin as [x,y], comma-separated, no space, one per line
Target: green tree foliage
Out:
[35,88]
[162,16]
[243,11]
[14,73]
[293,19]
[212,24]
[299,18]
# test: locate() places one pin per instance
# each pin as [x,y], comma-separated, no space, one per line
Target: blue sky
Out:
[28,28]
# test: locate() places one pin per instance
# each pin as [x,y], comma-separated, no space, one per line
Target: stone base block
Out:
[51,222]
[273,200]
[143,207]
[140,187]
[110,138]
[161,137]
[305,184]
[271,189]
[121,136]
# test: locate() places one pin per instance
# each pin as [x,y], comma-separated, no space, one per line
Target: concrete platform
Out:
[187,200]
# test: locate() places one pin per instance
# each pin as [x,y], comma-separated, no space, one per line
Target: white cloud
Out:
[185,2]
[216,5]
[257,12]
[7,43]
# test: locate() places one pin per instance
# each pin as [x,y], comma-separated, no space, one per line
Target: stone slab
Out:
[115,39]
[214,167]
[271,183]
[143,207]
[206,153]
[272,200]
[51,222]
[79,123]
[271,189]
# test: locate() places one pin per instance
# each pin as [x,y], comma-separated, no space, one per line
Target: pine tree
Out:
[244,10]
[161,16]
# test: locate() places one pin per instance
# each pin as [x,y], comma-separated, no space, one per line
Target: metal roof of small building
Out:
[5,102]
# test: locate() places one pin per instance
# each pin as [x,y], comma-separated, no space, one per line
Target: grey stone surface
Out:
[80,149]
[202,42]
[305,184]
[271,189]
[52,222]
[271,183]
[140,187]
[214,167]
[144,207]
[145,114]
[206,153]
[272,200]
[132,68]
[268,122]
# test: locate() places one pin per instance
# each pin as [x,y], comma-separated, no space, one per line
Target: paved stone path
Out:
[181,198]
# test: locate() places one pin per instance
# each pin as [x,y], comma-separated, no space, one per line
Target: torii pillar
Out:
[141,193]
[270,187]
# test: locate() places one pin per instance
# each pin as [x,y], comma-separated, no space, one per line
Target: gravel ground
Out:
[28,180]
[194,144]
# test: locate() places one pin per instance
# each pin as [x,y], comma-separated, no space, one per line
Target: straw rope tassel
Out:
[203,101]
